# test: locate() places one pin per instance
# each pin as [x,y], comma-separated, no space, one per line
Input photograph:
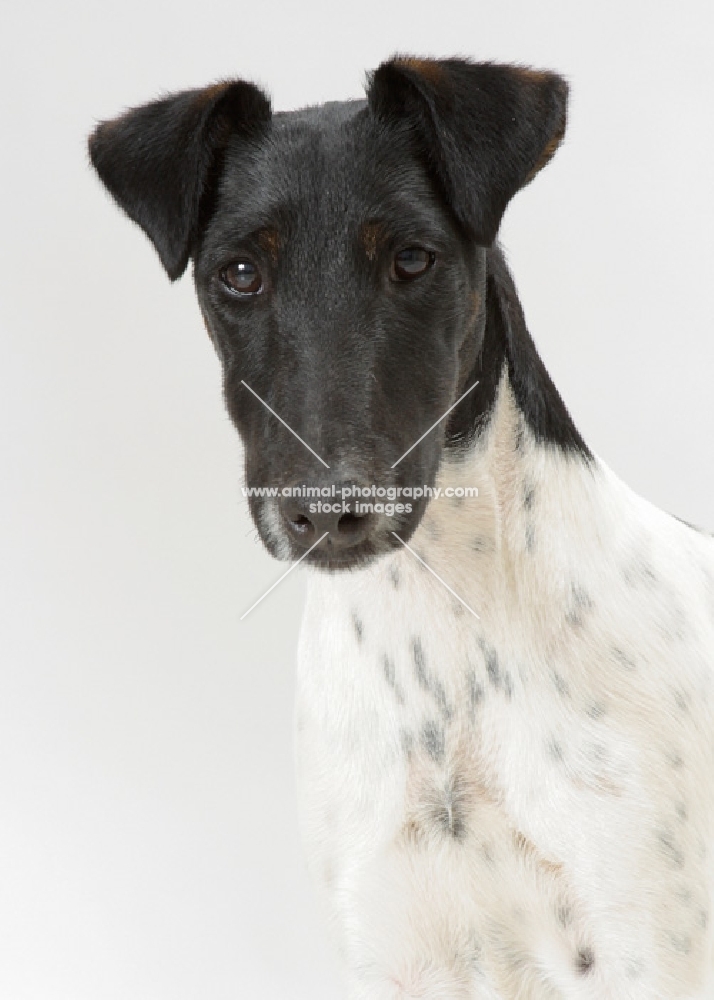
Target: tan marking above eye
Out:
[371,236]
[269,240]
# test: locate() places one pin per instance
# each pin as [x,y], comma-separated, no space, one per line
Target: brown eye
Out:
[411,263]
[242,277]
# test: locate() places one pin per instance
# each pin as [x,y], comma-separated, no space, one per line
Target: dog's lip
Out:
[357,557]
[324,557]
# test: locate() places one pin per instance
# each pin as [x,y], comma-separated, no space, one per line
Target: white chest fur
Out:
[519,805]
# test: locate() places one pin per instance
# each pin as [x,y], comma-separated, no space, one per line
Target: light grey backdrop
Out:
[148,842]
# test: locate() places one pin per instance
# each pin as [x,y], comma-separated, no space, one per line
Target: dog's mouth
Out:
[328,557]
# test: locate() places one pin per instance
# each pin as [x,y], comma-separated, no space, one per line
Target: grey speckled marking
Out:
[407,740]
[529,494]
[640,573]
[555,750]
[682,811]
[507,685]
[479,543]
[596,710]
[682,701]
[561,685]
[491,660]
[581,602]
[623,659]
[358,626]
[670,849]
[674,759]
[426,679]
[433,740]
[584,961]
[394,577]
[450,813]
[530,537]
[519,437]
[681,943]
[390,675]
[476,691]
[564,915]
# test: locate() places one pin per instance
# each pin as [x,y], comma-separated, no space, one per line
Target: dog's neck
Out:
[506,344]
[541,513]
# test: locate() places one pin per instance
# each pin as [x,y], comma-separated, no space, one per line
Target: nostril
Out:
[350,524]
[307,520]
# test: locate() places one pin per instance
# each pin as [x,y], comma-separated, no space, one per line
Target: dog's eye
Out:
[242,277]
[411,263]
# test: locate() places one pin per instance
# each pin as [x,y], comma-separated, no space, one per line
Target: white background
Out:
[148,841]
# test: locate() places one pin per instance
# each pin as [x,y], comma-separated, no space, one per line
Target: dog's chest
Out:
[494,807]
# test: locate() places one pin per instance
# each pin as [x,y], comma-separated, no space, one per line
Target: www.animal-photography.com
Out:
[357,619]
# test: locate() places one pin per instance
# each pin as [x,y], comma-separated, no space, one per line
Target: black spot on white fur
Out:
[390,675]
[358,627]
[580,603]
[561,685]
[670,849]
[623,658]
[475,690]
[490,657]
[530,537]
[433,740]
[427,681]
[584,961]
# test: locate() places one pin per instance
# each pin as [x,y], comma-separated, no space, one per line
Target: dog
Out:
[505,708]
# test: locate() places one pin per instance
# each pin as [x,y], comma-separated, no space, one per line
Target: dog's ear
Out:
[160,160]
[484,129]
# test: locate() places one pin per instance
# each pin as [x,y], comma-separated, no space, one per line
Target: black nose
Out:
[308,517]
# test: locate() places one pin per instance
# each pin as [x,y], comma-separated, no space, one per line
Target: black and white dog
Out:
[505,719]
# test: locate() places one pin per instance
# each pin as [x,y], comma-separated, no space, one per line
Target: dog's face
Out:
[340,266]
[338,287]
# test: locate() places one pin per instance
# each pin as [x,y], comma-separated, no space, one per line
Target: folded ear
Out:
[485,129]
[159,161]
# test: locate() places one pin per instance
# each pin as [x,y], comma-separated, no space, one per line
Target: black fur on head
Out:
[302,226]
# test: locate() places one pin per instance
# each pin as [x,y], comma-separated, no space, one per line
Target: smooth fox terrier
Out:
[505,715]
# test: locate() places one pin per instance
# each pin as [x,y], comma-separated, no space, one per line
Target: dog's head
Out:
[339,260]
